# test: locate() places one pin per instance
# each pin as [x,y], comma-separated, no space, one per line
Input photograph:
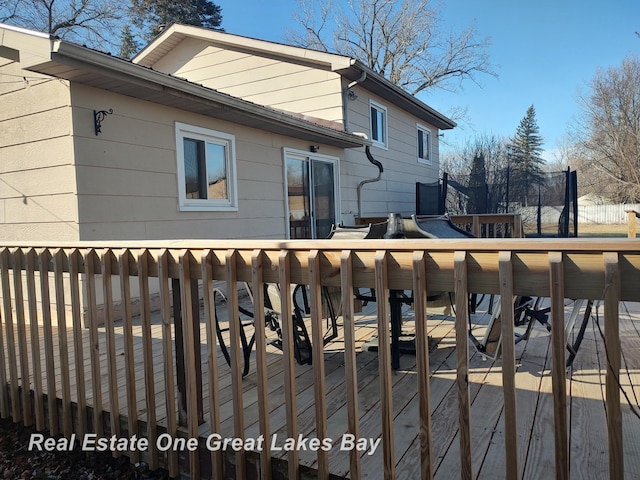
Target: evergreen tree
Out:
[477,202]
[129,46]
[526,163]
[151,16]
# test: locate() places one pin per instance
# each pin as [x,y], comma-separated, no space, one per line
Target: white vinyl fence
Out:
[602,214]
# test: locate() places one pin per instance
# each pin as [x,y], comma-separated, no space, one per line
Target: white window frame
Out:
[207,135]
[426,132]
[384,143]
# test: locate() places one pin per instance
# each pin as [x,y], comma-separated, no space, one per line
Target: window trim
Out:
[227,140]
[429,134]
[385,128]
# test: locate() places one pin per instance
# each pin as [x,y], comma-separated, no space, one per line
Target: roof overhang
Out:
[60,59]
[170,37]
[379,85]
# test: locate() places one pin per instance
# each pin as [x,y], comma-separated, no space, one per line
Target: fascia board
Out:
[329,61]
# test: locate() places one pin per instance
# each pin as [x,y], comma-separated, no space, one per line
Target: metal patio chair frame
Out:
[273,322]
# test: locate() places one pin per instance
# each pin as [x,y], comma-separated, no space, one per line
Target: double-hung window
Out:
[378,124]
[206,169]
[424,145]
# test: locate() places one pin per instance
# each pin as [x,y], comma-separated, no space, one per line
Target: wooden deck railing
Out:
[33,275]
[491,225]
[632,218]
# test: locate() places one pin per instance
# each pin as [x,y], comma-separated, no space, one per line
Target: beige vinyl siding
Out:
[395,192]
[127,176]
[40,209]
[37,178]
[20,98]
[45,153]
[264,81]
[258,227]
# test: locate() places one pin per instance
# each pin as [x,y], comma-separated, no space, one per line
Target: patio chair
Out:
[527,310]
[431,198]
[536,314]
[273,322]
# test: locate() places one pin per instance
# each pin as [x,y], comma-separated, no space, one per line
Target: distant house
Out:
[203,135]
[593,199]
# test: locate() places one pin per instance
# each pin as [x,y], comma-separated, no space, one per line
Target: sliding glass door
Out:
[311,184]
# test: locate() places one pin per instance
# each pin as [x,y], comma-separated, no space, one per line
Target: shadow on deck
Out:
[588,452]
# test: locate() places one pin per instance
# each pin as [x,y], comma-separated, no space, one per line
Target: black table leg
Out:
[181,367]
[395,306]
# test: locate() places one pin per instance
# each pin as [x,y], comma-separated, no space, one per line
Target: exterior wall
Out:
[264,81]
[315,92]
[303,89]
[395,192]
[127,176]
[37,178]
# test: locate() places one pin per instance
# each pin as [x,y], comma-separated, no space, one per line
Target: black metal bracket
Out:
[98,117]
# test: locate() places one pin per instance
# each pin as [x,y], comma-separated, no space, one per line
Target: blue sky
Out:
[544,51]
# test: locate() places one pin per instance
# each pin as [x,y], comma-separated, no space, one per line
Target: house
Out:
[204,135]
[593,199]
[322,87]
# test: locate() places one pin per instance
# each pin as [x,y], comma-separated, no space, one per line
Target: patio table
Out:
[401,228]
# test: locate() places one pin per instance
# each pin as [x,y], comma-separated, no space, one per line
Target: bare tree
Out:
[461,165]
[399,39]
[85,21]
[610,130]
[565,155]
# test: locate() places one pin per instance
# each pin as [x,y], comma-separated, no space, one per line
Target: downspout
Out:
[369,180]
[347,96]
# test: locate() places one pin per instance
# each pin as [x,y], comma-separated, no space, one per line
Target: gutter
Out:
[379,85]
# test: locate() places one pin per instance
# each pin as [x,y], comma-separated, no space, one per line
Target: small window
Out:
[424,145]
[378,125]
[206,169]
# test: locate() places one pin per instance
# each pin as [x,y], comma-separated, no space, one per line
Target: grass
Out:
[597,230]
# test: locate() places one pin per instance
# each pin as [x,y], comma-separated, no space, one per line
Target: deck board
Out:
[630,381]
[588,438]
[588,452]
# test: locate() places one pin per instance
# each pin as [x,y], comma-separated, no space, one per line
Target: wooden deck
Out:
[588,447]
[446,413]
